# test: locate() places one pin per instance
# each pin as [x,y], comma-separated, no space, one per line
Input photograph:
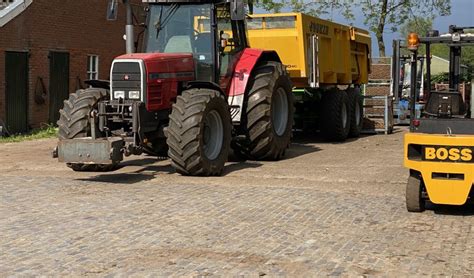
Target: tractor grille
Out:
[126,77]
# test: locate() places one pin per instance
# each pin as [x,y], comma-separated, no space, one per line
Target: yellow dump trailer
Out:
[319,55]
[340,53]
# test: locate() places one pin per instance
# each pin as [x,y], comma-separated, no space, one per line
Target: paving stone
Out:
[338,211]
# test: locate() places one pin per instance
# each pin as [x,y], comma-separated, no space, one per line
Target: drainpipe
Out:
[129,32]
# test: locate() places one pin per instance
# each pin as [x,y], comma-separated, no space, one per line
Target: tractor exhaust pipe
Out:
[129,32]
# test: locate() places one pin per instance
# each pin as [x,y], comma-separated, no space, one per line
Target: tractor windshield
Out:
[174,28]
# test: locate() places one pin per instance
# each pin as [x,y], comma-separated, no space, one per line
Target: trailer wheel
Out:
[357,111]
[414,198]
[335,115]
[268,120]
[74,123]
[199,133]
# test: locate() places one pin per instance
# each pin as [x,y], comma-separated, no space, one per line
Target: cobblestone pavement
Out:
[328,209]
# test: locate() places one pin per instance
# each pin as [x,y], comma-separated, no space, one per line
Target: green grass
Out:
[40,133]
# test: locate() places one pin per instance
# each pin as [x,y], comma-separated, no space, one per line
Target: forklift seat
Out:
[445,104]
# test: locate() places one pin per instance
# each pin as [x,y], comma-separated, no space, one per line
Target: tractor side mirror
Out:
[224,40]
[237,10]
[112,9]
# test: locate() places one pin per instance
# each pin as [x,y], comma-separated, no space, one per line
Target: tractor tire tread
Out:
[263,143]
[184,133]
[74,123]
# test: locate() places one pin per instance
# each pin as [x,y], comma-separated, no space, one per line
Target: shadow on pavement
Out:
[464,210]
[236,166]
[302,144]
[120,178]
[316,138]
[147,171]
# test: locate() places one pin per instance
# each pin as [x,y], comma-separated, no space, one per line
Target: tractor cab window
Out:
[172,29]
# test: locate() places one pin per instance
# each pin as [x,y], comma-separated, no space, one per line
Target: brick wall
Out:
[380,72]
[77,27]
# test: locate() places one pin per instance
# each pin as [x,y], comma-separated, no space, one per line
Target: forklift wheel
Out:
[414,198]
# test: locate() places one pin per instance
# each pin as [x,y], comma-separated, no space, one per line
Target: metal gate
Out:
[58,83]
[16,77]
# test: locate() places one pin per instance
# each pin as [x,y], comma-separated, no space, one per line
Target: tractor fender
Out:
[204,84]
[243,70]
[102,84]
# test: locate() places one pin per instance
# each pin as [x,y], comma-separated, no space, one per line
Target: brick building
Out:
[47,49]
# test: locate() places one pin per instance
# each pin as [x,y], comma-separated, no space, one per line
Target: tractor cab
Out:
[212,31]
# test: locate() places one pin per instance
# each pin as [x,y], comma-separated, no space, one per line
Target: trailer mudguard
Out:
[240,77]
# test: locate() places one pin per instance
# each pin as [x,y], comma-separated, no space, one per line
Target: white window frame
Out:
[92,73]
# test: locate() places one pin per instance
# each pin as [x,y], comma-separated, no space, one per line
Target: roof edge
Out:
[13,10]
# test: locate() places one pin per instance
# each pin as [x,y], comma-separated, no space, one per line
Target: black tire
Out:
[156,145]
[335,115]
[268,134]
[414,197]
[186,133]
[74,122]
[357,111]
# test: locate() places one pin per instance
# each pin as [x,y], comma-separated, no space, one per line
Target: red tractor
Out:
[196,91]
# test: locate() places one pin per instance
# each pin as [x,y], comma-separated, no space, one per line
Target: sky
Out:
[462,14]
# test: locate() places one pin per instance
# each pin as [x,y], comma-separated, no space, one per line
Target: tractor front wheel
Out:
[199,133]
[268,120]
[414,197]
[74,122]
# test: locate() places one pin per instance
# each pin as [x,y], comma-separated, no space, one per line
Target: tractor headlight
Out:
[119,94]
[134,94]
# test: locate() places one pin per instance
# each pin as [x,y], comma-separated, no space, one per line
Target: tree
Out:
[379,15]
[421,26]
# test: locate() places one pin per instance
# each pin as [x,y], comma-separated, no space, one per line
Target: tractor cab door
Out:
[232,41]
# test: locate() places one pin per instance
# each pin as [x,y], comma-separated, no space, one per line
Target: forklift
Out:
[439,149]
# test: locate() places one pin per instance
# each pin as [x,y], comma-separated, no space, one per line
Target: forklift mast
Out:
[447,103]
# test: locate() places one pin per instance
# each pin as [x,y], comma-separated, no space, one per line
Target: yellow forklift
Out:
[439,149]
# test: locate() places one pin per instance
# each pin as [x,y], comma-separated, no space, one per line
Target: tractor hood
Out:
[153,78]
[155,56]
[171,63]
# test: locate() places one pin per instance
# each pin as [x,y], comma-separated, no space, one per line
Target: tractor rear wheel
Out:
[357,111]
[268,120]
[74,122]
[414,197]
[335,115]
[199,133]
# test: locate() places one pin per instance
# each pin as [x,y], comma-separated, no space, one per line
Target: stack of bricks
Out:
[374,103]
